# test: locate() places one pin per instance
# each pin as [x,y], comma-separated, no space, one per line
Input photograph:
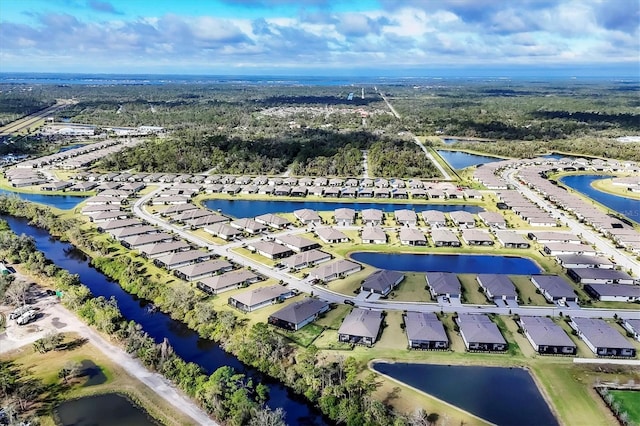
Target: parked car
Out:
[17,313]
[349,302]
[27,317]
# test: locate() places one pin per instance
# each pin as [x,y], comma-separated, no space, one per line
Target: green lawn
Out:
[629,402]
[305,336]
[470,289]
[411,289]
[527,291]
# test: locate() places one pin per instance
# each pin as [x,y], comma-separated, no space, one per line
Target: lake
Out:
[457,263]
[625,206]
[252,208]
[64,202]
[504,396]
[185,342]
[102,410]
[459,160]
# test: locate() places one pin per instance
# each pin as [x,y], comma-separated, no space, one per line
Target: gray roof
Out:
[620,290]
[330,234]
[510,237]
[228,279]
[182,256]
[443,282]
[132,230]
[433,216]
[260,295]
[139,240]
[545,332]
[371,214]
[373,233]
[479,328]
[272,219]
[581,259]
[444,235]
[361,322]
[424,326]
[248,224]
[554,236]
[344,213]
[405,215]
[309,256]
[460,216]
[222,229]
[634,323]
[119,223]
[554,285]
[297,312]
[476,235]
[600,334]
[159,248]
[204,267]
[497,284]
[411,234]
[601,274]
[382,279]
[296,242]
[335,268]
[270,247]
[491,217]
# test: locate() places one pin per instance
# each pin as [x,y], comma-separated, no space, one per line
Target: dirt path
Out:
[54,317]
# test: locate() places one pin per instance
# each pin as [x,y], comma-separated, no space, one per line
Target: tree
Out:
[267,417]
[17,293]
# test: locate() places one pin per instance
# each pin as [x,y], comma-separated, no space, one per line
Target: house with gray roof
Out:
[179,208]
[444,284]
[100,217]
[118,223]
[308,216]
[412,237]
[200,270]
[477,237]
[152,251]
[372,217]
[270,249]
[601,338]
[273,221]
[406,217]
[463,219]
[135,241]
[445,238]
[257,298]
[493,219]
[382,282]
[249,226]
[554,288]
[633,327]
[334,270]
[556,249]
[297,243]
[190,214]
[373,235]
[223,230]
[575,261]
[425,331]
[209,219]
[296,315]
[544,237]
[173,261]
[360,327]
[479,333]
[497,286]
[511,239]
[227,281]
[130,231]
[331,236]
[600,276]
[306,259]
[613,292]
[547,337]
[344,216]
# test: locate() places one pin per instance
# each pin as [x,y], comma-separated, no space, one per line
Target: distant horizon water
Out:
[68,78]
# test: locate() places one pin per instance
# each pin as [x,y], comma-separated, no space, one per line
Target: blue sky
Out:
[320,37]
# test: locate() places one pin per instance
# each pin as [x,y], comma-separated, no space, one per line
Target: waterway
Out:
[102,410]
[64,202]
[458,263]
[625,206]
[504,396]
[459,160]
[186,342]
[252,208]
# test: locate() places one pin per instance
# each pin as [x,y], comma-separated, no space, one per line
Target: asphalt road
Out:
[32,119]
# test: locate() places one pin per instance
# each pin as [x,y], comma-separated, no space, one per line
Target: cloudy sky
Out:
[320,37]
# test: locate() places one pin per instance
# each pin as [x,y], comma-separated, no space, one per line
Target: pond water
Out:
[457,263]
[459,160]
[64,202]
[70,147]
[102,410]
[504,396]
[252,208]
[185,342]
[625,206]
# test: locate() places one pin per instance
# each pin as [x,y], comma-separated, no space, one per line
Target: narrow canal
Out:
[186,343]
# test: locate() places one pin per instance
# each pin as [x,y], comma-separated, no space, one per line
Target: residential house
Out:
[344,216]
[223,230]
[445,284]
[412,237]
[601,338]
[497,286]
[297,243]
[554,288]
[425,331]
[334,270]
[576,261]
[201,270]
[228,281]
[270,249]
[613,292]
[480,334]
[249,226]
[373,235]
[477,237]
[445,238]
[557,249]
[382,282]
[273,221]
[434,218]
[173,261]
[547,337]
[510,239]
[372,217]
[633,327]
[360,327]
[493,220]
[296,315]
[331,236]
[600,276]
[462,219]
[406,217]
[257,298]
[151,251]
[306,259]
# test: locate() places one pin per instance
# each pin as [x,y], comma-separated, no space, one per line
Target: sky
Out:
[321,37]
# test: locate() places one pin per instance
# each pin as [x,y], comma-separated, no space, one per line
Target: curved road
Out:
[334,297]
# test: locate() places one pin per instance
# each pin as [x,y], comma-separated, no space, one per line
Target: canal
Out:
[185,342]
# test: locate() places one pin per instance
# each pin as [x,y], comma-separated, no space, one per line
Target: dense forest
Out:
[16,103]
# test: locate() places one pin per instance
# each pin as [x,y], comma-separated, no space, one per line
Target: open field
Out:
[629,402]
[104,377]
[606,185]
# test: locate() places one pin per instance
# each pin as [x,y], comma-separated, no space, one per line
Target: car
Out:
[50,292]
[349,302]
[17,313]
[27,317]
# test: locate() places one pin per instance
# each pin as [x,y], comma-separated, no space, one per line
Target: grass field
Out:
[107,377]
[629,402]
[411,289]
[606,185]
